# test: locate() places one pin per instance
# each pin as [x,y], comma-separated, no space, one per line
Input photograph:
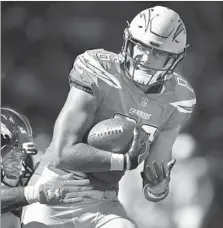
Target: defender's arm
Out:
[12,198]
[158,164]
[61,190]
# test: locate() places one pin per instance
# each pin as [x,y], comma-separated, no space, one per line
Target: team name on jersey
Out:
[140,113]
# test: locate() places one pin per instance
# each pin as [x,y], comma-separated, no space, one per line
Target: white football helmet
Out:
[154,43]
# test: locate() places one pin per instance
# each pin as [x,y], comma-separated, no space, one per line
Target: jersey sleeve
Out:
[82,78]
[176,119]
[183,105]
[90,74]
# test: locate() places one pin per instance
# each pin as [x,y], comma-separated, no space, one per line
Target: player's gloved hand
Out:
[138,150]
[156,178]
[62,190]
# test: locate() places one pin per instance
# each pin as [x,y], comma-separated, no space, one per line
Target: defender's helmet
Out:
[156,32]
[16,148]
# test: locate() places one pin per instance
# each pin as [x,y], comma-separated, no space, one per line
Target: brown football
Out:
[114,135]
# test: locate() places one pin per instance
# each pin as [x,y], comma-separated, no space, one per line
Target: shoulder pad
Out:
[184,99]
[182,87]
[89,65]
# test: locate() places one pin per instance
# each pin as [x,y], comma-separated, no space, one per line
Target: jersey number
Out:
[184,83]
[107,57]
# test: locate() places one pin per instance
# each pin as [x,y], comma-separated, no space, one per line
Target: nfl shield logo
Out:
[144,102]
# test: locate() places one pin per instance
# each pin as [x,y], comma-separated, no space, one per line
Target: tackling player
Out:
[16,169]
[138,84]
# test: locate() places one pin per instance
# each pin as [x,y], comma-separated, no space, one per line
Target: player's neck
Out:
[155,89]
[158,88]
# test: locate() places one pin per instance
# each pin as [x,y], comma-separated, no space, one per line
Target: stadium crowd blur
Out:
[39,43]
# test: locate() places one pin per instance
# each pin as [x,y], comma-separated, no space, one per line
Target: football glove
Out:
[138,150]
[62,190]
[156,178]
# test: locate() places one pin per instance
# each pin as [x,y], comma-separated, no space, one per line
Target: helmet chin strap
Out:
[135,63]
[147,87]
[144,88]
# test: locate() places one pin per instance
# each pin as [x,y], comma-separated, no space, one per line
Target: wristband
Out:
[31,194]
[117,162]
[153,197]
[160,188]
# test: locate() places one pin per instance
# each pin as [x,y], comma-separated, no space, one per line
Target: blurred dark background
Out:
[40,41]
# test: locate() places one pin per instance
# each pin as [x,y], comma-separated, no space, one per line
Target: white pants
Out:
[99,211]
[8,220]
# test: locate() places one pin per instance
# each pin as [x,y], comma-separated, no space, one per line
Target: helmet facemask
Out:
[146,65]
[16,165]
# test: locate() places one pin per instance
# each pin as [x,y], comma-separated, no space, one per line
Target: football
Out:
[114,135]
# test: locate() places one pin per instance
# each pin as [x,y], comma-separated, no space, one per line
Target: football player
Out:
[138,84]
[17,148]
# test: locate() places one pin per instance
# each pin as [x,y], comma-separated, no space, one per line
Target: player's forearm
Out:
[84,158]
[12,198]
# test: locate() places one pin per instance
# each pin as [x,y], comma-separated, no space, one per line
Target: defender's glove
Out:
[156,178]
[138,150]
[62,190]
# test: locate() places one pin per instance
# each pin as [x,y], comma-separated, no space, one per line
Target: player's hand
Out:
[139,148]
[64,190]
[157,176]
